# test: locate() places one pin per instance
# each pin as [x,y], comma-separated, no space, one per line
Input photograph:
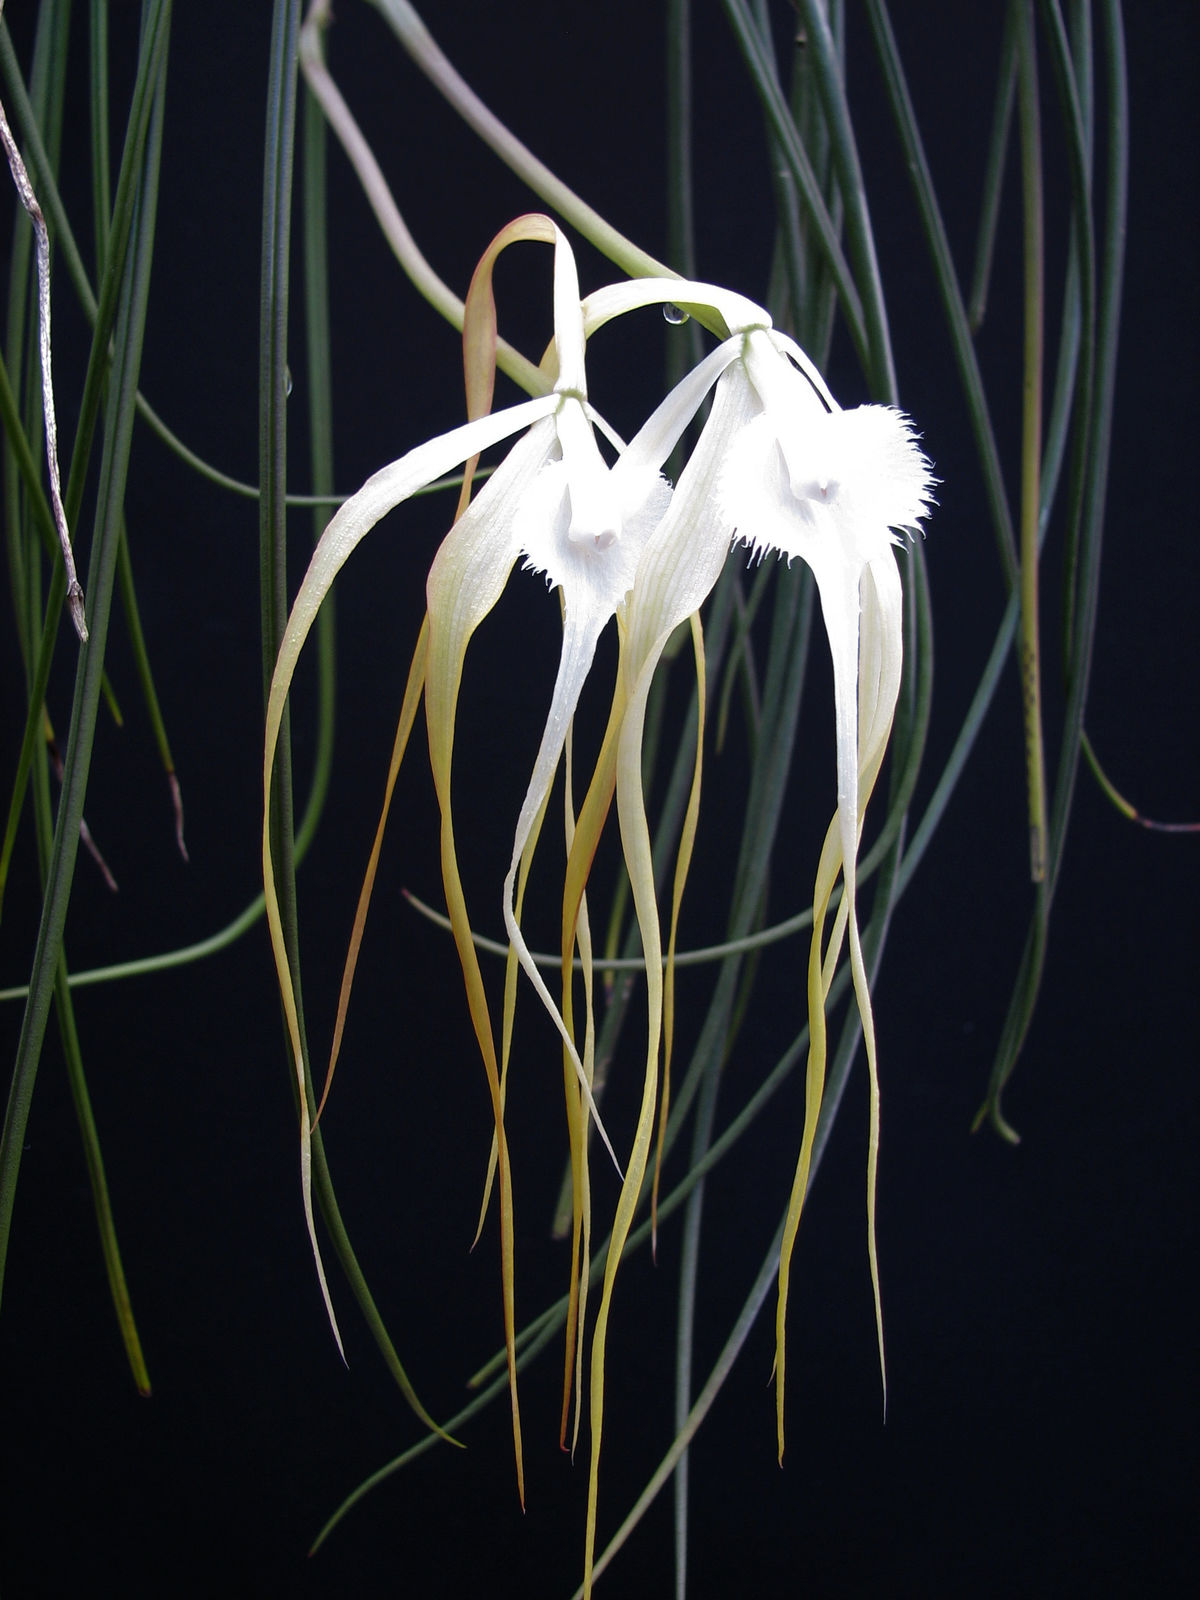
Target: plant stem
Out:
[1031,434]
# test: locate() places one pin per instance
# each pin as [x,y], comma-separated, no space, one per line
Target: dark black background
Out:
[1038,1300]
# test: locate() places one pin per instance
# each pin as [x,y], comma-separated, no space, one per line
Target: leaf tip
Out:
[177,808]
[75,606]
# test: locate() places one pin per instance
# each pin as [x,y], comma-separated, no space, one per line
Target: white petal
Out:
[594,511]
[885,479]
[880,660]
[792,398]
[683,559]
[837,584]
[580,632]
[385,490]
[790,349]
[568,320]
[842,476]
[473,561]
[594,577]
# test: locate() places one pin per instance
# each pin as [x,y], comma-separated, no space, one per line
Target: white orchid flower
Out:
[584,524]
[779,466]
[829,486]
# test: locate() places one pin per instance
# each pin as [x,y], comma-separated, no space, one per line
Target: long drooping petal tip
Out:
[287,995]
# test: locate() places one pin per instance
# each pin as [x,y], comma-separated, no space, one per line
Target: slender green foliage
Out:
[827,287]
[128,293]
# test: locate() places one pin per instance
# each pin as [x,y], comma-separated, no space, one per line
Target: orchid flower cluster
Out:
[778,467]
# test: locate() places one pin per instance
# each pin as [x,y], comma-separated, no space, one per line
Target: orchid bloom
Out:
[810,480]
[778,466]
[584,524]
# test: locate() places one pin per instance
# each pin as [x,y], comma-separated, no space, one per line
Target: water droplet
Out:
[674,314]
[287,382]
